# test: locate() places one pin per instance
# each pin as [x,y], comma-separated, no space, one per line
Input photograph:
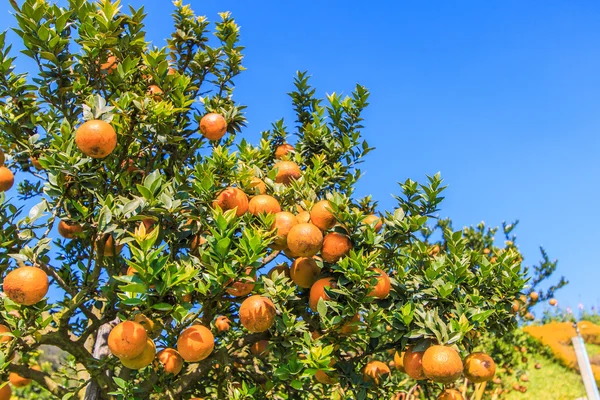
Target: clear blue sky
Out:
[502,97]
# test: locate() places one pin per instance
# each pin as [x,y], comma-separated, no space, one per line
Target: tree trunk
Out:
[94,391]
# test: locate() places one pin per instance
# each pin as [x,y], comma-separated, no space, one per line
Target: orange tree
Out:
[193,264]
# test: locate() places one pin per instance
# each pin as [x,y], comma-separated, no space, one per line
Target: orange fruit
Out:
[434,250]
[289,253]
[399,361]
[127,340]
[232,198]
[213,126]
[155,92]
[303,217]
[279,269]
[257,185]
[144,359]
[450,394]
[375,370]
[304,240]
[383,287]
[442,364]
[243,286]
[257,313]
[373,219]
[96,138]
[110,249]
[287,171]
[222,323]
[282,150]
[260,348]
[335,246]
[479,367]
[515,307]
[18,381]
[321,215]
[110,65]
[26,285]
[6,338]
[534,296]
[263,203]
[553,302]
[5,392]
[412,363]
[324,377]
[152,328]
[486,251]
[352,326]
[36,163]
[317,291]
[197,241]
[69,231]
[171,361]
[284,221]
[195,343]
[7,179]
[304,271]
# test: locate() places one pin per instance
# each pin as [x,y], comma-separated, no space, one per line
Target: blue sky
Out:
[502,97]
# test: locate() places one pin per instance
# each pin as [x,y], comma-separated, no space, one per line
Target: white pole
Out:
[584,366]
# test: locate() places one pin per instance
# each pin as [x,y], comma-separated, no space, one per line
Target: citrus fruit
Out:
[326,378]
[534,296]
[96,138]
[335,246]
[373,219]
[110,249]
[232,198]
[412,363]
[7,179]
[69,231]
[26,285]
[5,392]
[304,271]
[144,359]
[287,171]
[257,185]
[375,371]
[127,340]
[152,328]
[284,221]
[553,302]
[317,291]
[110,65]
[155,92]
[479,367]
[304,240]
[36,163]
[222,323]
[383,287]
[442,364]
[303,217]
[263,203]
[5,338]
[257,313]
[170,360]
[18,381]
[351,326]
[213,126]
[195,343]
[450,394]
[321,215]
[399,361]
[282,150]
[242,286]
[260,348]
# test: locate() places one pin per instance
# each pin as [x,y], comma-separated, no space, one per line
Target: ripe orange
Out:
[110,249]
[450,394]
[279,269]
[304,240]
[282,150]
[284,221]
[6,338]
[7,179]
[375,370]
[534,296]
[155,92]
[304,271]
[231,198]
[263,203]
[195,343]
[287,171]
[486,251]
[335,246]
[96,138]
[69,231]
[399,361]
[144,359]
[36,163]
[18,381]
[213,126]
[515,307]
[413,363]
[5,392]
[351,326]
[110,65]
[152,328]
[127,340]
[26,285]
[479,367]
[553,302]
[170,360]
[442,364]
[257,313]
[244,285]
[373,219]
[222,323]
[383,287]
[321,215]
[303,217]
[324,377]
[434,250]
[260,348]
[317,291]
[257,185]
